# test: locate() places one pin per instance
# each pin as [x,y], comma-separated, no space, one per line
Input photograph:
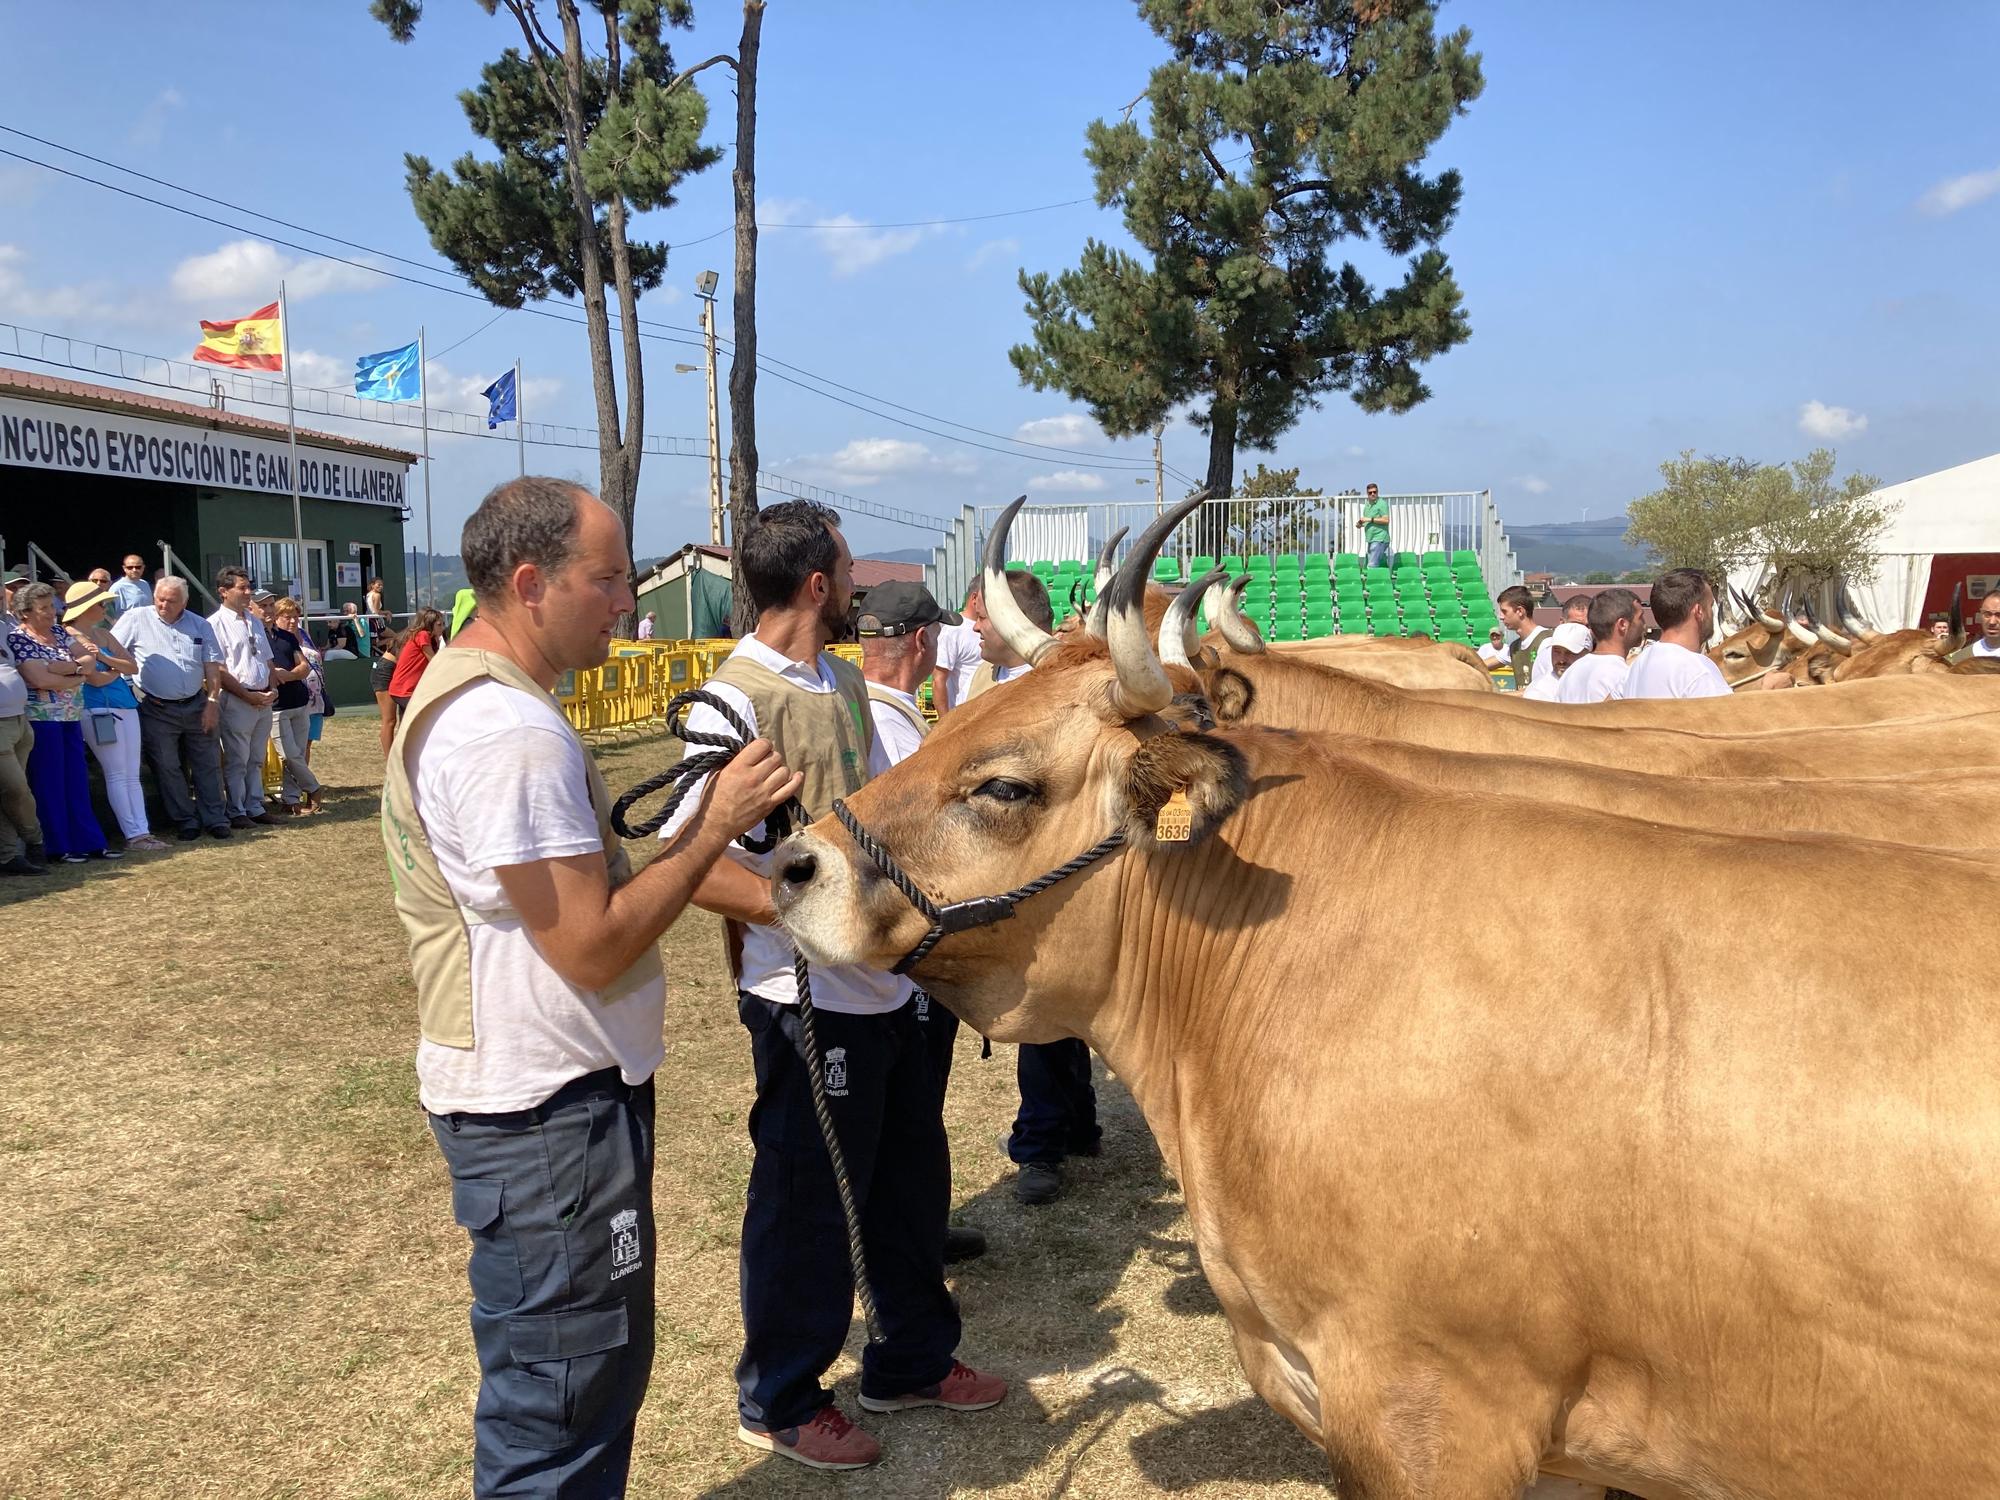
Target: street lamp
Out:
[704,288]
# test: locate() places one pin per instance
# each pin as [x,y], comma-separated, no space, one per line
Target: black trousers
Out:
[797,1290]
[166,732]
[558,1202]
[1058,1115]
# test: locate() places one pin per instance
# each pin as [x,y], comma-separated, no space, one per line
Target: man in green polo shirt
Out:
[1374,524]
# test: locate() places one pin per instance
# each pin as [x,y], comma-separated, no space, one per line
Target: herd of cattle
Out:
[1564,1097]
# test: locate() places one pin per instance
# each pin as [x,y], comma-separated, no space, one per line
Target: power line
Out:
[769,364]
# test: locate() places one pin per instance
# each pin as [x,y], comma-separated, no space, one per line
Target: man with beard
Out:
[876,1075]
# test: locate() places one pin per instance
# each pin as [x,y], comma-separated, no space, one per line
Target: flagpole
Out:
[520,431]
[292,445]
[424,391]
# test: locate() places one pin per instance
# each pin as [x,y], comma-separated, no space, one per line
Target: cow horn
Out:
[1225,613]
[1851,618]
[1142,687]
[1107,564]
[1825,632]
[1791,626]
[1026,638]
[1958,615]
[1177,633]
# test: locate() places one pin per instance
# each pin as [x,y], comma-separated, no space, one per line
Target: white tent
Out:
[1950,512]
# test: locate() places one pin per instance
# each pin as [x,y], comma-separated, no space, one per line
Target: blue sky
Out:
[1736,228]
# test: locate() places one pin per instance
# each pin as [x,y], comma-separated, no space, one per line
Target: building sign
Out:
[1979,585]
[80,440]
[349,575]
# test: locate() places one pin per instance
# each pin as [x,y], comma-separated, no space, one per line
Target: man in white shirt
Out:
[1616,626]
[646,626]
[1987,642]
[797,1292]
[1517,612]
[131,590]
[1000,662]
[1683,604]
[958,656]
[898,625]
[540,994]
[1494,652]
[245,726]
[1568,643]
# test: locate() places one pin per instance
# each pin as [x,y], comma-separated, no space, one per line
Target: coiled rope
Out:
[677,781]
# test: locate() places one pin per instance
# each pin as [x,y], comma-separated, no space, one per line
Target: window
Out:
[272,565]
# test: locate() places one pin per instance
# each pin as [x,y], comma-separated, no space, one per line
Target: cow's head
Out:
[1765,643]
[1008,788]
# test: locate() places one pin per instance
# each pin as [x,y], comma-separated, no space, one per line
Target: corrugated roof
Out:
[36,386]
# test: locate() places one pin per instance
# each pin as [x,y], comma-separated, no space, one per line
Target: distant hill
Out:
[1575,547]
[905,554]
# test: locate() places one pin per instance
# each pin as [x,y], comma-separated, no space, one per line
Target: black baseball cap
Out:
[899,608]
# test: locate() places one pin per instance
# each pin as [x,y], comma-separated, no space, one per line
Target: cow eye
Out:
[1001,789]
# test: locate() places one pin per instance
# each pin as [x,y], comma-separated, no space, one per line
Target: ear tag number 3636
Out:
[1175,822]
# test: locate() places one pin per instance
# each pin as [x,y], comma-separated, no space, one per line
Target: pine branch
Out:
[720,57]
[539,49]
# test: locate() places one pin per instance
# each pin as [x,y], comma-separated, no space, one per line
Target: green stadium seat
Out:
[1069,565]
[1288,630]
[1286,562]
[1258,563]
[1316,566]
[1347,560]
[1200,565]
[1167,569]
[1433,557]
[1017,567]
[1233,566]
[1316,630]
[1403,560]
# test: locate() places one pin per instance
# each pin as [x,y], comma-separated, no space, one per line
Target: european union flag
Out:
[392,375]
[500,400]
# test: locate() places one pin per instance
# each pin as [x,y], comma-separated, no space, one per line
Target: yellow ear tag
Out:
[1175,823]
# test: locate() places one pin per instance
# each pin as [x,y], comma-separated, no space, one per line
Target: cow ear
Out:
[1209,772]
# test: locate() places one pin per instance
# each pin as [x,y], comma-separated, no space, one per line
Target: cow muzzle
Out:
[818,899]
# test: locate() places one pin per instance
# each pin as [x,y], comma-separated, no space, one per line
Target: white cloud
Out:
[1354,450]
[1821,421]
[993,250]
[248,272]
[850,247]
[1067,481]
[85,302]
[1534,484]
[866,461]
[1070,430]
[151,126]
[1954,193]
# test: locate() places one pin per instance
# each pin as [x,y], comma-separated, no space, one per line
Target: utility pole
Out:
[705,289]
[1159,466]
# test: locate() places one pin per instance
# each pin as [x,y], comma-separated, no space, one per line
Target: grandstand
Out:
[1296,591]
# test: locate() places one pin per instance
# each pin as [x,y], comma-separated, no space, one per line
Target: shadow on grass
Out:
[1043,1302]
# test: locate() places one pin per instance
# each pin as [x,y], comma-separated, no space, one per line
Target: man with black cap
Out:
[899,626]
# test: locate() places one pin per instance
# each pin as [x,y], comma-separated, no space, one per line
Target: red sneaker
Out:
[964,1389]
[828,1441]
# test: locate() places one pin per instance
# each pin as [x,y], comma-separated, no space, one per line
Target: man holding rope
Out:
[540,994]
[875,1077]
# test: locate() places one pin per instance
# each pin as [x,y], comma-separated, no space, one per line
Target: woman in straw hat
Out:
[110,711]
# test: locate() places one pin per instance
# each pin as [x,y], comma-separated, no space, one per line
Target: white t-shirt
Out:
[1543,687]
[1492,655]
[959,657]
[646,629]
[1592,679]
[500,780]
[1980,647]
[896,738]
[1664,670]
[767,951]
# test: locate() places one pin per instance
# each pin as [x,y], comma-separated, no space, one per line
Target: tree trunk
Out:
[1212,521]
[743,312]
[631,442]
[611,464]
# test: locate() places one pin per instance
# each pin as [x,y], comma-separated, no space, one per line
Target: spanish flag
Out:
[253,343]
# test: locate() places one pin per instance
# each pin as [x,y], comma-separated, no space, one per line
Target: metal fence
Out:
[1460,520]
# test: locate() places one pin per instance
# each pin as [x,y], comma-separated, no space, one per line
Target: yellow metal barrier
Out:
[630,692]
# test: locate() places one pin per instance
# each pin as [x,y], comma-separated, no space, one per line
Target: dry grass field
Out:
[228,1266]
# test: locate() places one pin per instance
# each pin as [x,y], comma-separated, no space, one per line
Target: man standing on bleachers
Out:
[1374,524]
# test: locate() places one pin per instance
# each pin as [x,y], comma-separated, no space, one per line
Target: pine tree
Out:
[1277,129]
[589,131]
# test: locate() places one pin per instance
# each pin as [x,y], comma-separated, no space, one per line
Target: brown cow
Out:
[1717,1216]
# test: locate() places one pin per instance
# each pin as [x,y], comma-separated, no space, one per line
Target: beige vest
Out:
[879,694]
[825,735]
[440,945]
[985,676]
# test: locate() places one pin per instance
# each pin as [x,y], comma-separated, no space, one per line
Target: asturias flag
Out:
[392,375]
[253,343]
[500,400]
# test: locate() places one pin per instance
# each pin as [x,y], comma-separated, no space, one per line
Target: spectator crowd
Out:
[124,673]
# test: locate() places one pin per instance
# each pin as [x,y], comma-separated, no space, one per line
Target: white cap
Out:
[1572,637]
